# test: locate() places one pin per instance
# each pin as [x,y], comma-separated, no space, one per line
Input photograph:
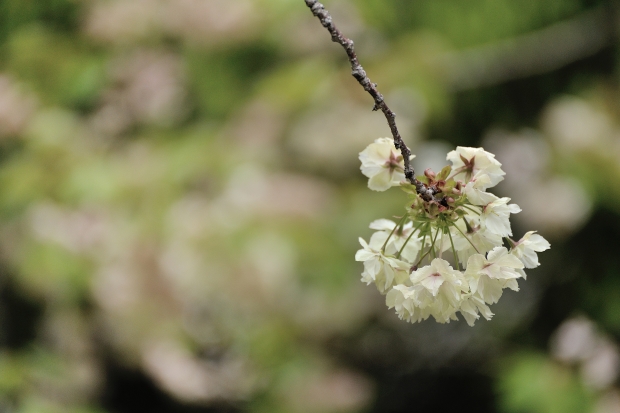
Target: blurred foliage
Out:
[534,384]
[180,202]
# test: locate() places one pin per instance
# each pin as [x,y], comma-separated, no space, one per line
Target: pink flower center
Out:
[394,161]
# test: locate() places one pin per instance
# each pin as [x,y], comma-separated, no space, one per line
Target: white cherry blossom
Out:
[489,276]
[495,216]
[438,286]
[462,222]
[402,299]
[398,238]
[382,164]
[384,271]
[475,190]
[471,306]
[527,247]
[415,303]
[472,240]
[474,162]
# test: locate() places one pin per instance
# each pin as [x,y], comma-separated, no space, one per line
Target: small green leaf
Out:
[444,173]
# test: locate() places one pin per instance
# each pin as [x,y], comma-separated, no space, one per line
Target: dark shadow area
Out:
[517,103]
[444,390]
[19,315]
[129,391]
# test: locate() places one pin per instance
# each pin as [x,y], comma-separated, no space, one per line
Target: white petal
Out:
[498,224]
[490,290]
[382,225]
[514,208]
[381,181]
[529,258]
[364,255]
[509,260]
[538,243]
[478,197]
[497,253]
[432,283]
[377,240]
[373,267]
[512,284]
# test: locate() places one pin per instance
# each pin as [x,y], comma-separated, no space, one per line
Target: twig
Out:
[359,74]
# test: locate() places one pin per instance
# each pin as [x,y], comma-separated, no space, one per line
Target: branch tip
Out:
[358,72]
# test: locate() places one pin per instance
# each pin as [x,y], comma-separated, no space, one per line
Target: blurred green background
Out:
[180,202]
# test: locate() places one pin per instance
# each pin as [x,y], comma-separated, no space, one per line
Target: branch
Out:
[359,74]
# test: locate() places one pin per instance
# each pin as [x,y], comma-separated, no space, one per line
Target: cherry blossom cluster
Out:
[450,253]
